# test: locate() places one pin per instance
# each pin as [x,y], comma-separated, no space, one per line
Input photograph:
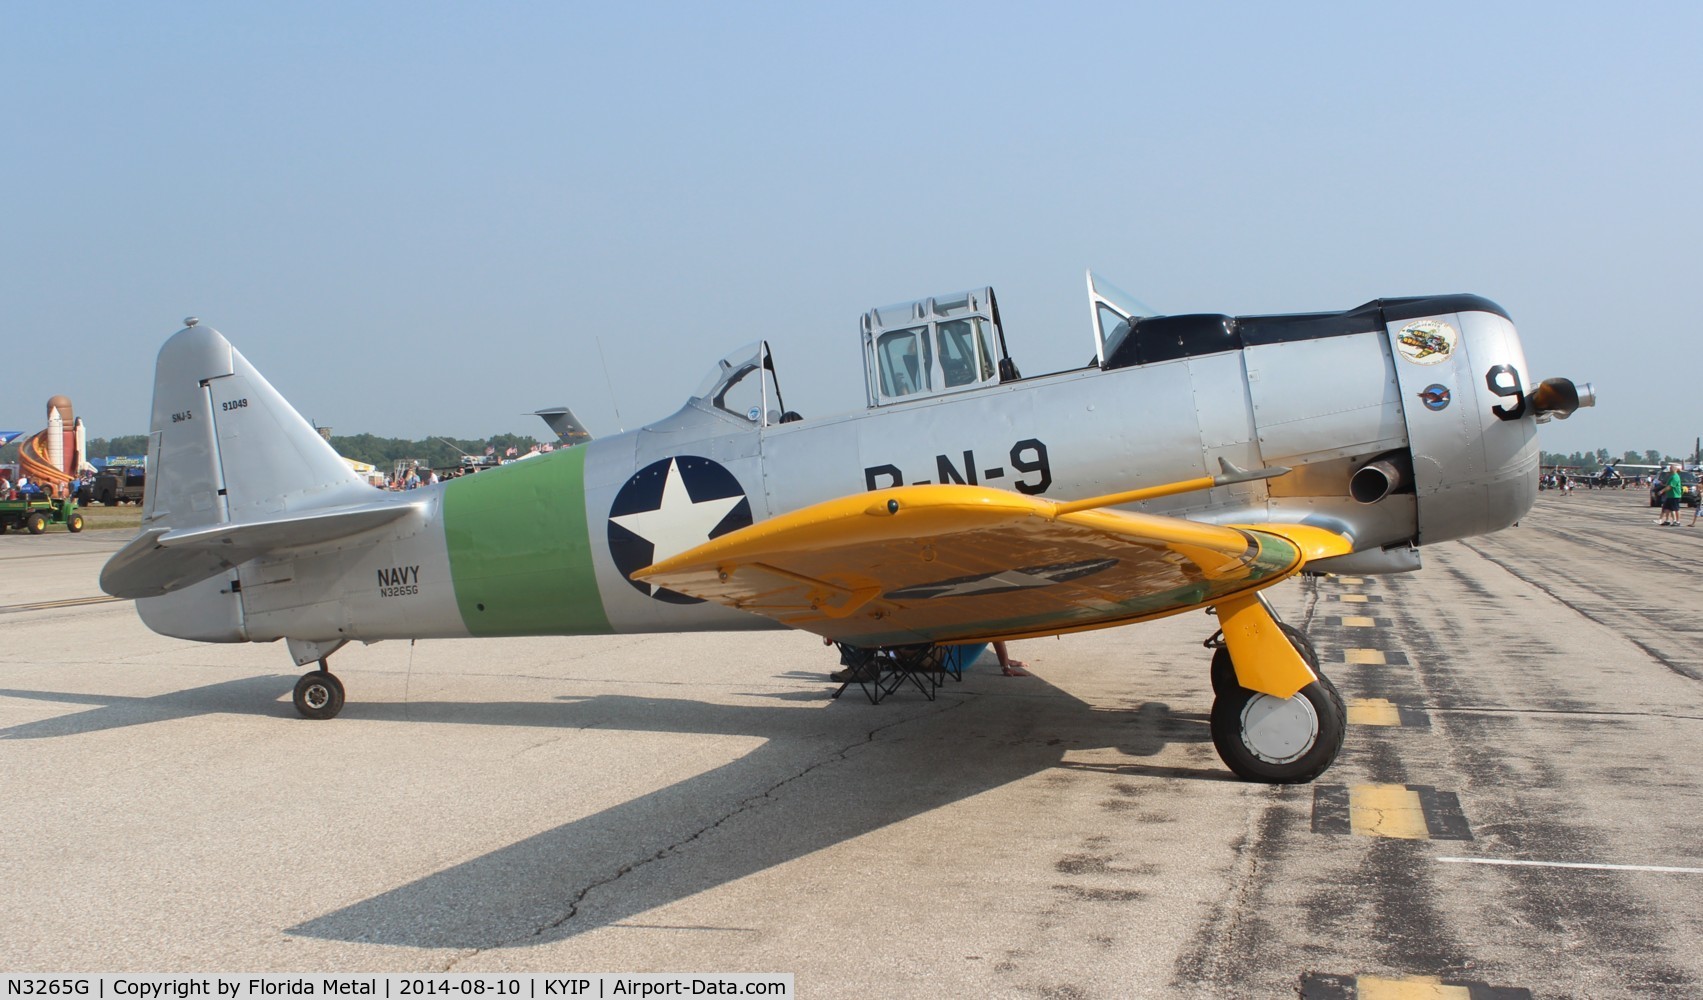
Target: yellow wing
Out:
[951,563]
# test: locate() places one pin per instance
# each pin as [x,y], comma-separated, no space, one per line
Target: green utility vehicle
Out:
[35,512]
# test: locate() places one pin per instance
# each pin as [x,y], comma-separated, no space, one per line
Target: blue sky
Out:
[423,218]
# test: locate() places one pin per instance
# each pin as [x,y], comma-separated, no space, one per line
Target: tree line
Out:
[1592,461]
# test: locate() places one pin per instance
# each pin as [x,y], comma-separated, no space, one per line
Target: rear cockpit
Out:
[743,386]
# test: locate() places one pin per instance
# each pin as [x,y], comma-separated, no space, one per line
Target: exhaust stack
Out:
[1380,477]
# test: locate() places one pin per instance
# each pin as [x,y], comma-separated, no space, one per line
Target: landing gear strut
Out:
[1287,727]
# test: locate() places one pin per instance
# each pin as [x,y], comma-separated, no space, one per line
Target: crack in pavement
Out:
[744,805]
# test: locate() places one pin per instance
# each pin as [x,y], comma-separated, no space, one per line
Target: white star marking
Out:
[680,523]
[1009,580]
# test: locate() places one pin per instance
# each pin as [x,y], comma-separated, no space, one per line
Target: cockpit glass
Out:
[735,385]
[1114,326]
[1121,300]
[1115,312]
[964,358]
[905,359]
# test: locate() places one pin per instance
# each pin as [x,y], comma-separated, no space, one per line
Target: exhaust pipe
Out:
[1559,397]
[1380,477]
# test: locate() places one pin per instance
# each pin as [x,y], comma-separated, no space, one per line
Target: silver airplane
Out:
[1193,462]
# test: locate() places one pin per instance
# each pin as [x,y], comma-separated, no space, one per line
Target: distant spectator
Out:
[1672,489]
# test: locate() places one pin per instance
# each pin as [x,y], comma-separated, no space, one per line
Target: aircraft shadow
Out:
[814,783]
[245,696]
[821,777]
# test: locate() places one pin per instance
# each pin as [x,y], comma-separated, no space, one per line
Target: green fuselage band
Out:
[519,550]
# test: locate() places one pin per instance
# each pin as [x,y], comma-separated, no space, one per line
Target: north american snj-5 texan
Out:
[1194,461]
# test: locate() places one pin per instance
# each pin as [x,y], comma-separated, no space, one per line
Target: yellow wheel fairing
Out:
[1263,656]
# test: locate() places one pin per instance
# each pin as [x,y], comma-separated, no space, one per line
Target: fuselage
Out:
[1431,388]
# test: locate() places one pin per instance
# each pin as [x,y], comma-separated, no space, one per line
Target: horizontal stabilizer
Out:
[161,560]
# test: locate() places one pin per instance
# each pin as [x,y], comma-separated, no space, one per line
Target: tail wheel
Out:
[1277,740]
[319,695]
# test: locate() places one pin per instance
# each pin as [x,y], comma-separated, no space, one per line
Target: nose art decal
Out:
[668,507]
[1426,342]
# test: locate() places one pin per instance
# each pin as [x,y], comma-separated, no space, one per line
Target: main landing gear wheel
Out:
[1277,740]
[319,694]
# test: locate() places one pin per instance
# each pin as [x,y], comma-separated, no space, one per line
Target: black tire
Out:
[35,522]
[319,695]
[1223,672]
[1308,759]
[1299,640]
[107,499]
[74,523]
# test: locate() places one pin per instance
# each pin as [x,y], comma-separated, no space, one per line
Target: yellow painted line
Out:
[1352,581]
[1408,988]
[1365,657]
[1353,598]
[1373,712]
[1386,811]
[1357,621]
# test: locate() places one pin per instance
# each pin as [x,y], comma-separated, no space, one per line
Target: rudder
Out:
[224,446]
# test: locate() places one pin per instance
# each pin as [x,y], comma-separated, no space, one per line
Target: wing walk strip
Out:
[72,602]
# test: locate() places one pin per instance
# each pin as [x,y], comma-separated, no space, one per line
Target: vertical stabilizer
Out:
[567,428]
[225,447]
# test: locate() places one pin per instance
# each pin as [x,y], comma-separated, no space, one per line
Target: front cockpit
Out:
[934,347]
[948,344]
[1115,313]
